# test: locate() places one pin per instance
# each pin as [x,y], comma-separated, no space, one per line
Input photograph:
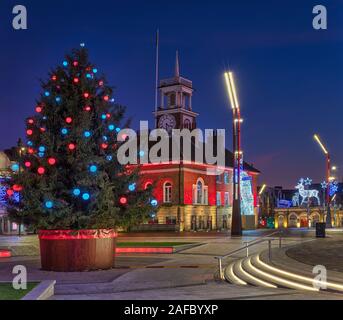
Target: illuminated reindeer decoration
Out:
[307,194]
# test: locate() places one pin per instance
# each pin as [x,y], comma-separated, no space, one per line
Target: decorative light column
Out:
[236,224]
[328,173]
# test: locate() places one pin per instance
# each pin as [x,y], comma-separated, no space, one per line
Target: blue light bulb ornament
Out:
[41,154]
[86,196]
[76,192]
[47,93]
[104,138]
[58,99]
[15,167]
[93,168]
[95,70]
[132,187]
[87,134]
[103,117]
[111,127]
[109,158]
[41,149]
[88,76]
[64,131]
[49,204]
[30,143]
[117,130]
[153,202]
[65,63]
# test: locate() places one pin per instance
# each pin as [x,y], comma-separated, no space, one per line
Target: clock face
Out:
[167,122]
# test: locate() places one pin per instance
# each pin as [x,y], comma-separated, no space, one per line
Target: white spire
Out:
[177,65]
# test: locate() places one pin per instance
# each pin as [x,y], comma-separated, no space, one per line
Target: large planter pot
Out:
[81,250]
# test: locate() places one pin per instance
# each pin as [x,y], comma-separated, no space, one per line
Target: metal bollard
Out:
[270,249]
[247,249]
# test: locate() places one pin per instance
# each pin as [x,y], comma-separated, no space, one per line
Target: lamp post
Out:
[236,224]
[328,174]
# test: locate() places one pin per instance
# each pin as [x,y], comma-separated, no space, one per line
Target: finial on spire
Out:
[177,65]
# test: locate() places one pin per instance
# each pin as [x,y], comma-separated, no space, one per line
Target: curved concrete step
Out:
[244,275]
[293,276]
[253,265]
[254,271]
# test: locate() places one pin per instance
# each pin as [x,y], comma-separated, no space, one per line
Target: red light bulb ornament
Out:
[108,115]
[10,192]
[27,164]
[17,188]
[101,83]
[86,95]
[41,170]
[52,161]
[87,108]
[39,109]
[76,80]
[69,120]
[29,132]
[104,145]
[30,121]
[53,78]
[123,200]
[75,63]
[30,151]
[106,98]
[71,146]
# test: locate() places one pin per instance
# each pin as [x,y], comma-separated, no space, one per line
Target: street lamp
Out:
[328,176]
[236,224]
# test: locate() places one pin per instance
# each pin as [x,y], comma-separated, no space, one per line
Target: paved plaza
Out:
[188,274]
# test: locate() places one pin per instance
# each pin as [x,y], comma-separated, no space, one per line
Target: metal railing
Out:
[246,247]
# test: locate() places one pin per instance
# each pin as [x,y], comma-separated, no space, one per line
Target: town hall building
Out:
[189,198]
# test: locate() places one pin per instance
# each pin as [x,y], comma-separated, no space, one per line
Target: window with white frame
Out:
[226,177]
[218,198]
[167,192]
[200,192]
[226,199]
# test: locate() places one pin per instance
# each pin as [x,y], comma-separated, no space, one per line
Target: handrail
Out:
[249,244]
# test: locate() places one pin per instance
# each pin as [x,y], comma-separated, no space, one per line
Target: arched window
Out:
[148,185]
[200,192]
[167,192]
[187,124]
[172,100]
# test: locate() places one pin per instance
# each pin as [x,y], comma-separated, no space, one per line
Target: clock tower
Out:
[175,110]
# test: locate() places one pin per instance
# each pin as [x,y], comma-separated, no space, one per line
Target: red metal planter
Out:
[77,250]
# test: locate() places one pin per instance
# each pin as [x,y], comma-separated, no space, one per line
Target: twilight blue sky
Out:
[289,75]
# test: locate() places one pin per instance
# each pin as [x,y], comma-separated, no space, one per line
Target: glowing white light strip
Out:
[261,282]
[234,89]
[330,285]
[229,89]
[281,280]
[232,275]
[320,144]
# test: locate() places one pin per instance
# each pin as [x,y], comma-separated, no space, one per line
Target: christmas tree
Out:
[69,176]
